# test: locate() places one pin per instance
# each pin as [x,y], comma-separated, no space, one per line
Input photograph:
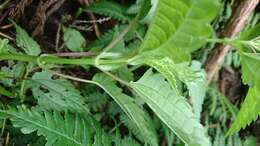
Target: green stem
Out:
[59,60]
[217,40]
[18,57]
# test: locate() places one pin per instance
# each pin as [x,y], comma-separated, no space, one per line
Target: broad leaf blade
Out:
[180,27]
[193,77]
[56,94]
[171,108]
[25,42]
[249,111]
[73,39]
[134,112]
[250,63]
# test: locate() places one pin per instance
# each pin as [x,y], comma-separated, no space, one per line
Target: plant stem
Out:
[237,21]
[59,60]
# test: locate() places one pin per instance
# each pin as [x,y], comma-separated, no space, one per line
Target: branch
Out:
[242,10]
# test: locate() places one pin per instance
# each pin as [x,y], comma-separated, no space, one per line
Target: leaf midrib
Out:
[43,127]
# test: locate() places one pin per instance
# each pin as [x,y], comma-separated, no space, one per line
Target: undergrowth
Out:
[144,83]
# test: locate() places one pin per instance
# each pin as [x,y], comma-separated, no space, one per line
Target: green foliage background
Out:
[147,84]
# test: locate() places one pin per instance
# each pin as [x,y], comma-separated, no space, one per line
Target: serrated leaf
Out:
[250,63]
[197,87]
[250,33]
[110,9]
[249,111]
[56,94]
[24,41]
[70,130]
[73,39]
[171,108]
[193,77]
[131,109]
[14,71]
[179,27]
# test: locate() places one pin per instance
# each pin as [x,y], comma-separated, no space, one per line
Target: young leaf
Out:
[24,41]
[73,39]
[127,104]
[171,108]
[250,63]
[70,130]
[56,94]
[179,27]
[249,111]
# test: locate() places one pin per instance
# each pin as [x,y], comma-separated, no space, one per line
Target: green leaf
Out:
[5,92]
[110,9]
[165,67]
[249,111]
[250,141]
[196,87]
[149,17]
[15,71]
[250,33]
[171,108]
[180,27]
[193,77]
[131,109]
[70,130]
[248,40]
[24,41]
[56,94]
[73,39]
[3,45]
[250,63]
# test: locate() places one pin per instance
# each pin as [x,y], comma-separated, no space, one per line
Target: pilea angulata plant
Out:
[177,28]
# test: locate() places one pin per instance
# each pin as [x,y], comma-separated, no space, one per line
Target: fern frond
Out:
[107,37]
[67,130]
[96,100]
[249,111]
[127,141]
[110,9]
[57,94]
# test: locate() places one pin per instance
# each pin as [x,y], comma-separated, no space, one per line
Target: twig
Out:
[55,7]
[95,25]
[57,37]
[3,5]
[101,20]
[6,36]
[236,23]
[6,26]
